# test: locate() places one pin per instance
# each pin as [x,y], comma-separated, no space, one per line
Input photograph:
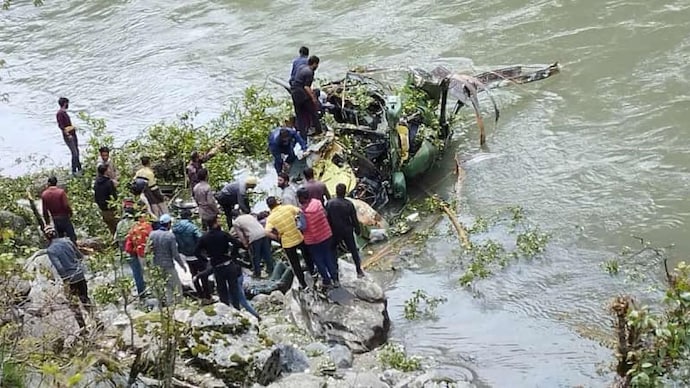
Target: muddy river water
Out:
[594,155]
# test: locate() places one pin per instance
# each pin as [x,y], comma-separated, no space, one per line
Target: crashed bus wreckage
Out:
[383,136]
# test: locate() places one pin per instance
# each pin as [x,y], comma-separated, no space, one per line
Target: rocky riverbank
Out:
[305,339]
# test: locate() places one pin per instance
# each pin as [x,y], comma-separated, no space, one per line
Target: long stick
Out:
[34,209]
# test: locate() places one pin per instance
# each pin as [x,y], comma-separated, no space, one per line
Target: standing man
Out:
[317,238]
[228,274]
[289,195]
[303,97]
[55,204]
[235,193]
[111,171]
[66,259]
[281,141]
[163,244]
[251,234]
[342,216]
[124,226]
[187,235]
[205,200]
[69,133]
[135,245]
[298,62]
[317,189]
[105,194]
[151,191]
[281,226]
[196,163]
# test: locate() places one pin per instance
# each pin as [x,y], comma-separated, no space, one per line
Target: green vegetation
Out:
[653,346]
[484,257]
[393,356]
[422,306]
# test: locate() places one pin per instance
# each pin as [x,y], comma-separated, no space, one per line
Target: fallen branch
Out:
[459,229]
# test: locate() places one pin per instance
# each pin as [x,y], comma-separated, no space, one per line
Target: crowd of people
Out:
[305,222]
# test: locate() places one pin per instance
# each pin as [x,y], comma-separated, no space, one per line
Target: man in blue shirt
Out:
[299,62]
[67,260]
[281,141]
[303,97]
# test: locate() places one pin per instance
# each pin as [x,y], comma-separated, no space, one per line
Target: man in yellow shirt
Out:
[281,226]
[151,193]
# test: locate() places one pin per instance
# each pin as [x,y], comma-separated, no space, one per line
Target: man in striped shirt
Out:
[281,226]
[317,237]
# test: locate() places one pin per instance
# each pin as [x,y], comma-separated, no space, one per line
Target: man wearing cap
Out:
[187,235]
[66,259]
[281,141]
[235,193]
[163,245]
[55,204]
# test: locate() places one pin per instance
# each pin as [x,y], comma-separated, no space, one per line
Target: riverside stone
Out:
[359,321]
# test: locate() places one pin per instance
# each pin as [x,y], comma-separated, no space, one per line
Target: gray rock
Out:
[315,349]
[360,321]
[341,356]
[434,379]
[292,359]
[277,297]
[218,317]
[361,379]
[261,302]
[12,221]
[300,380]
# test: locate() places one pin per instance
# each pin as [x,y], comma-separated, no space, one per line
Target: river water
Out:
[594,155]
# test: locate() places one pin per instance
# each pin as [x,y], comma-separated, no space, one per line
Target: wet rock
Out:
[341,356]
[293,360]
[315,349]
[357,318]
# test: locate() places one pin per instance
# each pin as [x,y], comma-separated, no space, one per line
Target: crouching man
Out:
[66,259]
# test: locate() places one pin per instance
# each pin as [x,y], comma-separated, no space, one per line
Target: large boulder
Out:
[225,342]
[354,315]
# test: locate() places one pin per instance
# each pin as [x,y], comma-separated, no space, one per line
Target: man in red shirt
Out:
[69,133]
[317,238]
[56,206]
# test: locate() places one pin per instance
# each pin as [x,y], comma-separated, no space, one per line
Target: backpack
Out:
[301,221]
[138,186]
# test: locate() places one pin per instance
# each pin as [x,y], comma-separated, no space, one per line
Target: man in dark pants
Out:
[66,259]
[56,206]
[187,235]
[281,226]
[69,133]
[299,62]
[342,216]
[303,97]
[215,244]
[105,194]
[281,141]
[235,193]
